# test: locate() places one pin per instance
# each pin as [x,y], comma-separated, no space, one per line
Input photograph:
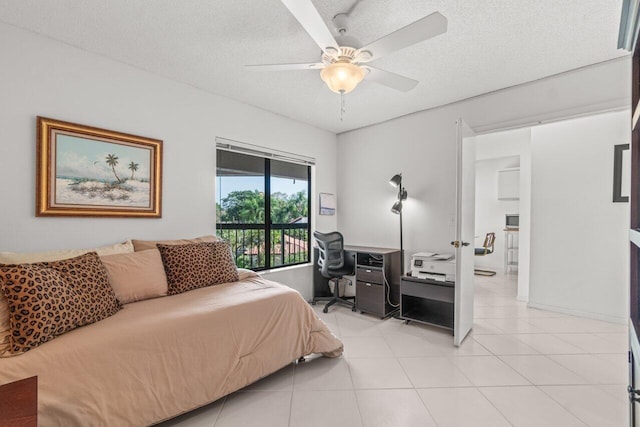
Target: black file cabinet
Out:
[378,281]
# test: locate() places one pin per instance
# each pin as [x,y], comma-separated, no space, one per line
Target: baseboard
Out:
[523,298]
[579,313]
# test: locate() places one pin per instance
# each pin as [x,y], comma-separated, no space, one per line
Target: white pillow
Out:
[243,273]
[31,257]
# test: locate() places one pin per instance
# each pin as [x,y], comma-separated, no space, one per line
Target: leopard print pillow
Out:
[48,299]
[197,265]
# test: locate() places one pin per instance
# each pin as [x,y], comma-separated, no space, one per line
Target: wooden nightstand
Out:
[19,403]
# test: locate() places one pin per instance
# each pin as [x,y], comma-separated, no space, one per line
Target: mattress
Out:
[158,358]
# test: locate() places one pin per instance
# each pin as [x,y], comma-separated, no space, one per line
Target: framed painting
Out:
[86,171]
[327,204]
[621,173]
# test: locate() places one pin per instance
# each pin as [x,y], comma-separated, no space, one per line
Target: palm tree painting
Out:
[133,167]
[112,160]
[98,172]
[91,182]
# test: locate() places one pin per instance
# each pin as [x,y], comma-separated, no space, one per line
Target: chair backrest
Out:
[489,241]
[331,256]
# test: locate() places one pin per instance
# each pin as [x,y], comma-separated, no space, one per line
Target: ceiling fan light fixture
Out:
[342,77]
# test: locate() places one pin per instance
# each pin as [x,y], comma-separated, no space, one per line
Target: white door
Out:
[465,231]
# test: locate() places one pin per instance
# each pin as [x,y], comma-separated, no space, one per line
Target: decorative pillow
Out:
[136,276]
[42,306]
[143,245]
[31,257]
[5,325]
[50,298]
[197,265]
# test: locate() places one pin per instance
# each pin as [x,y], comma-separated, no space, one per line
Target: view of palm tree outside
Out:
[261,239]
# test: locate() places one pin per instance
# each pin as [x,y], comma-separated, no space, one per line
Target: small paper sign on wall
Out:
[327,204]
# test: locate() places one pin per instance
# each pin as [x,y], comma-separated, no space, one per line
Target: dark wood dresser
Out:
[19,403]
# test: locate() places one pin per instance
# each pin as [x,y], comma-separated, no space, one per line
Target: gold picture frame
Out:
[86,171]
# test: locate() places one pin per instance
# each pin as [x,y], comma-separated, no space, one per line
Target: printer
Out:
[427,265]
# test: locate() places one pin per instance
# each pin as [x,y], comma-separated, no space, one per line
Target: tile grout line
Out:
[564,407]
[215,421]
[293,381]
[496,408]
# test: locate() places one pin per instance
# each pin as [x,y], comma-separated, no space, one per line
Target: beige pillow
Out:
[136,276]
[143,245]
[31,257]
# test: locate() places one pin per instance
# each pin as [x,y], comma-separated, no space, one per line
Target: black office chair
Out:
[486,249]
[331,261]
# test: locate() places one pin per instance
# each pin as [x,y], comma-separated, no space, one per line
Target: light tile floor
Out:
[519,367]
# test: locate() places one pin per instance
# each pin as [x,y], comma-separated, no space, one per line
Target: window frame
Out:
[268,225]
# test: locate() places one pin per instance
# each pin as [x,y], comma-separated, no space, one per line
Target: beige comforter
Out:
[158,358]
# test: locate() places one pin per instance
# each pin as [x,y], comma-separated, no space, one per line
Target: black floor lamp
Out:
[396,181]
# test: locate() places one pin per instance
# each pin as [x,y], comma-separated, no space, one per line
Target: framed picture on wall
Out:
[86,171]
[327,204]
[621,173]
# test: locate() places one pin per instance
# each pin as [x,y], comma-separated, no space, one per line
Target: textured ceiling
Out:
[489,45]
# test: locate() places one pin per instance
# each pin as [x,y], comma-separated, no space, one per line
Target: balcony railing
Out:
[288,244]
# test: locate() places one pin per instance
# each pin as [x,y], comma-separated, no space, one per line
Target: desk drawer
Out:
[428,291]
[370,297]
[371,275]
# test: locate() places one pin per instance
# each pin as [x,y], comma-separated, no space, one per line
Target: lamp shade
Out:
[342,77]
[397,207]
[396,180]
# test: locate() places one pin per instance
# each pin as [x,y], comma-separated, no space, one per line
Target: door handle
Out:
[633,394]
[457,243]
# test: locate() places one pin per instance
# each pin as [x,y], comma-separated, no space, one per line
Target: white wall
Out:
[423,150]
[422,146]
[490,212]
[43,77]
[524,252]
[579,243]
[502,144]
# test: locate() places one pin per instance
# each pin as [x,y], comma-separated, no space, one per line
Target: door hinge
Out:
[633,394]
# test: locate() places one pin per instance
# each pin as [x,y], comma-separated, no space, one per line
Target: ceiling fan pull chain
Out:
[342,105]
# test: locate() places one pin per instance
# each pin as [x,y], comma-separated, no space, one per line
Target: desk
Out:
[374,294]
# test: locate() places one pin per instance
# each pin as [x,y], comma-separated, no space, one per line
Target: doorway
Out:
[502,207]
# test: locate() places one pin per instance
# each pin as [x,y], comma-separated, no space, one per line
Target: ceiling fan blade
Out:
[311,21]
[423,29]
[389,79]
[285,67]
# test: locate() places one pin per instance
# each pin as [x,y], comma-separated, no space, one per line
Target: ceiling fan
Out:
[343,61]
